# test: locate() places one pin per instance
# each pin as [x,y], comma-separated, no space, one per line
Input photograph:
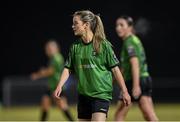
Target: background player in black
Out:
[134,66]
[52,72]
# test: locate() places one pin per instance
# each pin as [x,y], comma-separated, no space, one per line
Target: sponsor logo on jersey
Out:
[87,66]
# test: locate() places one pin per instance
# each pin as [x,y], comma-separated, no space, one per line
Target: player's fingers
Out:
[56,94]
[124,100]
[129,101]
[136,95]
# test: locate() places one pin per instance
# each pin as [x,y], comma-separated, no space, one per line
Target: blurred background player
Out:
[53,72]
[92,59]
[135,71]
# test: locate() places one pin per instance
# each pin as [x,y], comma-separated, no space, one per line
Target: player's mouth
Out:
[74,30]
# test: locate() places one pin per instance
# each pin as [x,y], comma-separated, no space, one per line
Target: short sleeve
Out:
[53,62]
[131,50]
[111,58]
[69,60]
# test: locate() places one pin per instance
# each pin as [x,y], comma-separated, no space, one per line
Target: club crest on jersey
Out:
[131,50]
[94,53]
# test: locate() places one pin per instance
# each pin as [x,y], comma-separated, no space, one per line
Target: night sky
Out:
[28,25]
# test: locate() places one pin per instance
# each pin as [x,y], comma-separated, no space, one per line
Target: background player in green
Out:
[134,69]
[93,61]
[53,71]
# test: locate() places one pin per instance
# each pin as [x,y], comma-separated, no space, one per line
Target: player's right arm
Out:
[62,81]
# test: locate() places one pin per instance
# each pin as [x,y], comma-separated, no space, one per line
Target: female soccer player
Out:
[93,61]
[134,69]
[53,71]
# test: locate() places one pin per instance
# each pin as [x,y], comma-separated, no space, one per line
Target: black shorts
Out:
[88,105]
[146,88]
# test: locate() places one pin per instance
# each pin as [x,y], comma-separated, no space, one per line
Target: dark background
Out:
[28,25]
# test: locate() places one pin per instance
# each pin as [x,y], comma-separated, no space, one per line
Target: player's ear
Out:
[87,25]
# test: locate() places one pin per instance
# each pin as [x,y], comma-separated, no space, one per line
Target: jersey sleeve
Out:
[69,60]
[53,62]
[131,49]
[61,62]
[111,59]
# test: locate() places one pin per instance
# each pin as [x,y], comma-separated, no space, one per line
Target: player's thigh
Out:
[98,116]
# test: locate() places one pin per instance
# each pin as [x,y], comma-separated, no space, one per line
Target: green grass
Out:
[165,112]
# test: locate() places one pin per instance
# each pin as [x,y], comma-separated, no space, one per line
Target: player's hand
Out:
[136,92]
[34,76]
[57,92]
[126,98]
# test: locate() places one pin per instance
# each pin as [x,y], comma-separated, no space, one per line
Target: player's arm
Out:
[118,76]
[62,81]
[133,59]
[135,71]
[136,91]
[42,73]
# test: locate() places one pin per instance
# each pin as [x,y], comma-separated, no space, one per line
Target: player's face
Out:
[122,28]
[50,50]
[78,26]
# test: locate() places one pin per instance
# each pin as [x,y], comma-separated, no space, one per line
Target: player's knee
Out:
[121,112]
[45,102]
[62,104]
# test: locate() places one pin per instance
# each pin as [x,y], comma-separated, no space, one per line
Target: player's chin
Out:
[120,35]
[77,34]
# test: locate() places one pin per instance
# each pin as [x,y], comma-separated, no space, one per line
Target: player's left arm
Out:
[135,70]
[112,62]
[136,91]
[42,73]
[118,76]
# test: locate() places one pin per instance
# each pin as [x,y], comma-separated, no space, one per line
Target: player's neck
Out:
[87,38]
[127,35]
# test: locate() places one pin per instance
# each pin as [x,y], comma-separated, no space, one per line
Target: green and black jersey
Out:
[132,46]
[93,70]
[57,63]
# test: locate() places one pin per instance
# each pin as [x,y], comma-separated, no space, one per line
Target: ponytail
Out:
[99,34]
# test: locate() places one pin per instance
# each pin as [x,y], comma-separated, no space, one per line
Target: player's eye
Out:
[75,23]
[122,25]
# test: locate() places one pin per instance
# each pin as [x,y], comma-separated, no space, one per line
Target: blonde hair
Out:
[96,26]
